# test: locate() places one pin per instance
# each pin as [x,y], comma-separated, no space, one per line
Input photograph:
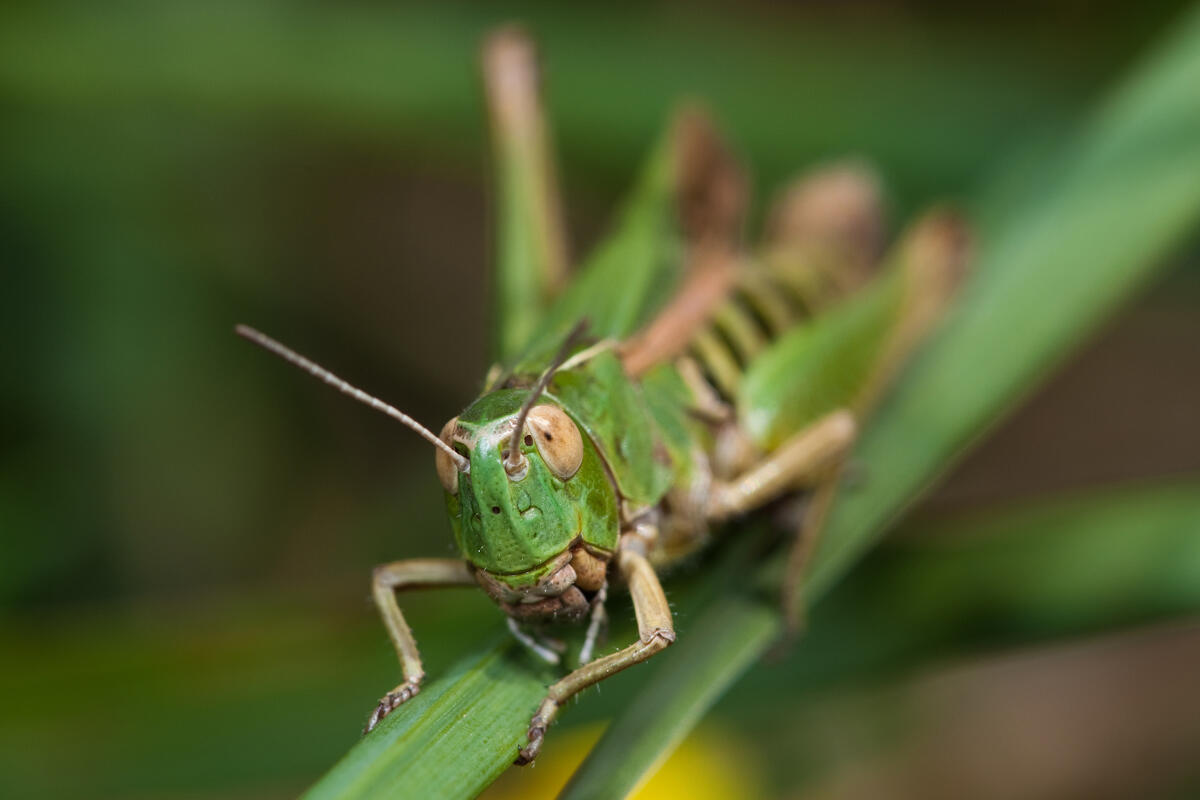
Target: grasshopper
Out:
[680,381]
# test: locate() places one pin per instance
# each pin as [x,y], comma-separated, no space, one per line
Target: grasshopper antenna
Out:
[515,457]
[319,372]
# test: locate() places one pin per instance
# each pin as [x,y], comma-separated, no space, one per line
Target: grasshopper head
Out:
[534,512]
[525,518]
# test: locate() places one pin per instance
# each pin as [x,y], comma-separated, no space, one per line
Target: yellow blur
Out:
[711,764]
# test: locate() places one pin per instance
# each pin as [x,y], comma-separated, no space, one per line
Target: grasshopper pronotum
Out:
[680,381]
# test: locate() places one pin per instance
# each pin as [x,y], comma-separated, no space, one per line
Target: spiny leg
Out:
[388,579]
[655,633]
[802,459]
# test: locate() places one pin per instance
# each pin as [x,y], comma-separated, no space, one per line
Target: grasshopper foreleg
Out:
[386,581]
[655,632]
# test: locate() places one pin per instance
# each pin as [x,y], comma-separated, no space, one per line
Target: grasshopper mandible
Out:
[679,382]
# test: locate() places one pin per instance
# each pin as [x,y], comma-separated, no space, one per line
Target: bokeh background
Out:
[187,527]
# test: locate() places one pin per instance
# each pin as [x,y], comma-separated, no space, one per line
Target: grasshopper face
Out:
[528,521]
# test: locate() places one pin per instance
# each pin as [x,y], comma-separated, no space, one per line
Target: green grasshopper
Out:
[680,381]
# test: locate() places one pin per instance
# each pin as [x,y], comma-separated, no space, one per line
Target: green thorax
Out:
[613,412]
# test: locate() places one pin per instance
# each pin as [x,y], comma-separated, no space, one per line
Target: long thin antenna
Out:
[319,372]
[513,462]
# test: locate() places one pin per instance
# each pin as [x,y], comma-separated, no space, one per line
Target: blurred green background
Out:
[187,527]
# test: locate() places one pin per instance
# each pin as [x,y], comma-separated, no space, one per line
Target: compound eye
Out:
[557,439]
[447,470]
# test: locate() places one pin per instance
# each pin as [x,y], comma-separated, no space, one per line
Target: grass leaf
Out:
[453,739]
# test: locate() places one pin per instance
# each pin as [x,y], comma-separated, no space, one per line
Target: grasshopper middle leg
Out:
[417,573]
[812,457]
[801,460]
[655,632]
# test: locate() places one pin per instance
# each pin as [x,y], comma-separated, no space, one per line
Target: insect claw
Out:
[537,732]
[527,754]
[390,702]
[376,715]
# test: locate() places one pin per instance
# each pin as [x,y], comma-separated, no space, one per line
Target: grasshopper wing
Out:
[846,357]
[690,195]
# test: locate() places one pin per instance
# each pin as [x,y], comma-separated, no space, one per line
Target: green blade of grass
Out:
[1132,557]
[722,645]
[968,589]
[1043,281]
[451,740]
[1064,567]
[1070,565]
[463,729]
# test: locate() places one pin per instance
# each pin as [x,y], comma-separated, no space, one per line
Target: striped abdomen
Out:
[767,299]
